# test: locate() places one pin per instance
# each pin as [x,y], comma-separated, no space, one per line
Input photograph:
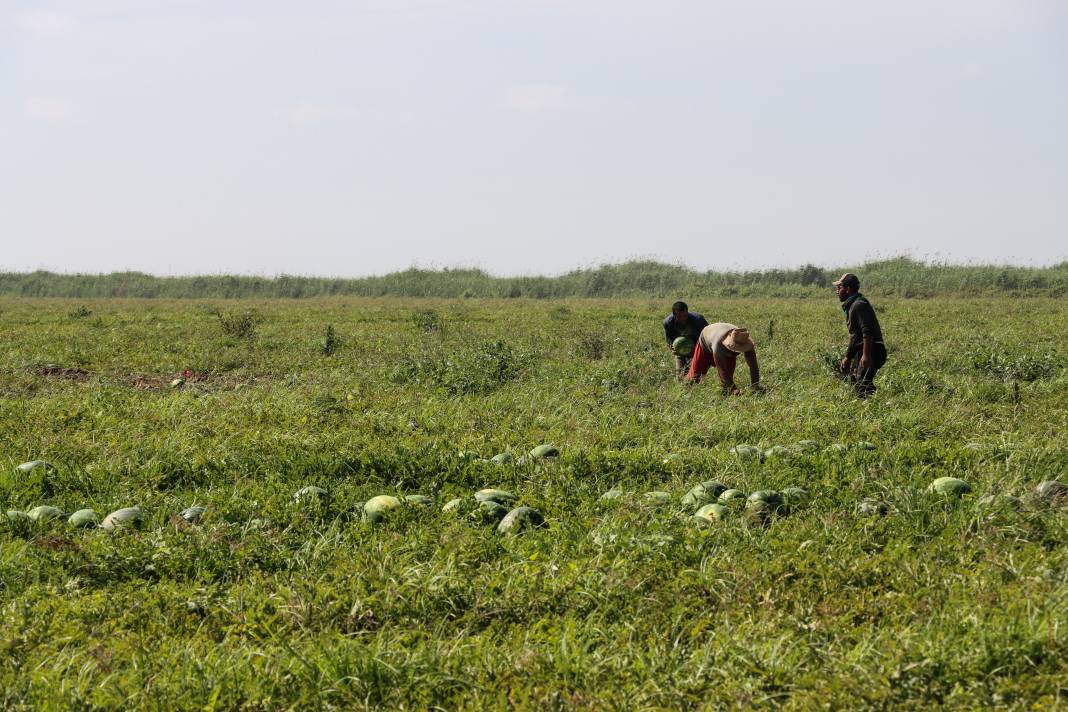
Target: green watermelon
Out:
[28,467]
[683,346]
[732,495]
[193,514]
[1052,491]
[838,448]
[46,513]
[120,518]
[769,499]
[672,459]
[519,519]
[703,493]
[747,452]
[872,508]
[865,445]
[14,516]
[795,496]
[419,499]
[712,512]
[455,505]
[614,493]
[808,445]
[83,519]
[377,508]
[543,451]
[489,512]
[495,495]
[503,458]
[777,451]
[310,493]
[950,486]
[999,501]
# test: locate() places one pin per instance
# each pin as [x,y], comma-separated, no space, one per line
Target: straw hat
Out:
[738,341]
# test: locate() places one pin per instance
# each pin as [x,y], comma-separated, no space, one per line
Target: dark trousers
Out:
[863,379]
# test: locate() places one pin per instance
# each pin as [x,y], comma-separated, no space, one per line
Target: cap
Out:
[848,279]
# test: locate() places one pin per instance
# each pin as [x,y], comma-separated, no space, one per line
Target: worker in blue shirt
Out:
[683,322]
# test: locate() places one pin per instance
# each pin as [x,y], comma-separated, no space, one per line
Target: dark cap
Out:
[849,279]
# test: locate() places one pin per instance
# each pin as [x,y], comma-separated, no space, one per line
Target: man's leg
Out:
[699,364]
[682,365]
[864,380]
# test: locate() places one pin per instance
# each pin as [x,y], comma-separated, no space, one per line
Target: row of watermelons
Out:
[87,518]
[754,453]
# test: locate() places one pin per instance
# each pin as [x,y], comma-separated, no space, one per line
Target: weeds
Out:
[331,341]
[239,325]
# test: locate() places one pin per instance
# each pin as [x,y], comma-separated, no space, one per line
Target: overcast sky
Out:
[529,136]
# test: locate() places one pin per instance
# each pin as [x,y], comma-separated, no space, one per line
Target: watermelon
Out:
[128,516]
[672,459]
[950,486]
[712,512]
[28,467]
[46,513]
[731,496]
[808,445]
[454,505]
[765,499]
[519,519]
[614,493]
[178,383]
[310,493]
[777,451]
[795,496]
[14,516]
[747,452]
[703,493]
[83,519]
[377,508]
[419,499]
[865,445]
[999,501]
[489,512]
[543,451]
[193,514]
[872,508]
[683,346]
[1052,491]
[503,458]
[837,447]
[495,495]
[656,498]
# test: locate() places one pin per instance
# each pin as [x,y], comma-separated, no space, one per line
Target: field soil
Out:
[874,592]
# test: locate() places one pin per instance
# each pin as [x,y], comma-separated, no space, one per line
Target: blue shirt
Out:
[691,330]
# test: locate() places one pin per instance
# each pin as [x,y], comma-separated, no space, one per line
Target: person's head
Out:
[738,341]
[846,285]
[681,311]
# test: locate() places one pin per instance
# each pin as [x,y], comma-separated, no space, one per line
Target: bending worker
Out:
[719,346]
[685,325]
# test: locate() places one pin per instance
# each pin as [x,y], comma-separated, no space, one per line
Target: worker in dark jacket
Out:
[867,352]
[683,322]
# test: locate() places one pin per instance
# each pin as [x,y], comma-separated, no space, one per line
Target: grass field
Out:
[623,604]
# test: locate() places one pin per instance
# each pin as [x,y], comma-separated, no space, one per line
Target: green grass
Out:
[901,276]
[269,604]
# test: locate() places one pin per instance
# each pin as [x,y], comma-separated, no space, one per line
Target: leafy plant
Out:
[331,342]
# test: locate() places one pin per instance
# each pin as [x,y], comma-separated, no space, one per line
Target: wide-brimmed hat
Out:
[849,279]
[738,341]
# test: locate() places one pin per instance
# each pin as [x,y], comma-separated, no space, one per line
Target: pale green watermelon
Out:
[519,519]
[15,516]
[376,509]
[120,518]
[83,519]
[455,505]
[712,512]
[614,493]
[46,513]
[495,495]
[747,452]
[420,499]
[732,495]
[703,493]
[28,467]
[311,493]
[543,451]
[950,486]
[777,451]
[489,512]
[765,498]
[503,458]
[193,514]
[872,508]
[838,448]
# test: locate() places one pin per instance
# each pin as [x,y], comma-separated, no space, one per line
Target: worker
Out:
[719,345]
[866,352]
[686,325]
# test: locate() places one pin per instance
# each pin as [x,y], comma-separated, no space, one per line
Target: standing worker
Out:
[719,346]
[867,352]
[682,329]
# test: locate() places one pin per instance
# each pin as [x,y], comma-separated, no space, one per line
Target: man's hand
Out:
[863,364]
[844,365]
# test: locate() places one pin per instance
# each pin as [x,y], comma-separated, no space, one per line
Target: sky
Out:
[529,136]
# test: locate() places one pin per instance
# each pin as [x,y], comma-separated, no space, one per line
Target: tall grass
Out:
[899,277]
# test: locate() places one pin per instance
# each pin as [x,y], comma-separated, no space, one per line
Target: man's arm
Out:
[668,334]
[725,370]
[754,369]
[866,319]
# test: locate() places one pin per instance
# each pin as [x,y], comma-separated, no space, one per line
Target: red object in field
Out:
[700,363]
[187,374]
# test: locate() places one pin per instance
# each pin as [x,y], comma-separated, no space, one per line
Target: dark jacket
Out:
[692,330]
[862,322]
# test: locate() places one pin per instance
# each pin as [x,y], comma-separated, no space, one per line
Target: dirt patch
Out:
[55,542]
[51,370]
